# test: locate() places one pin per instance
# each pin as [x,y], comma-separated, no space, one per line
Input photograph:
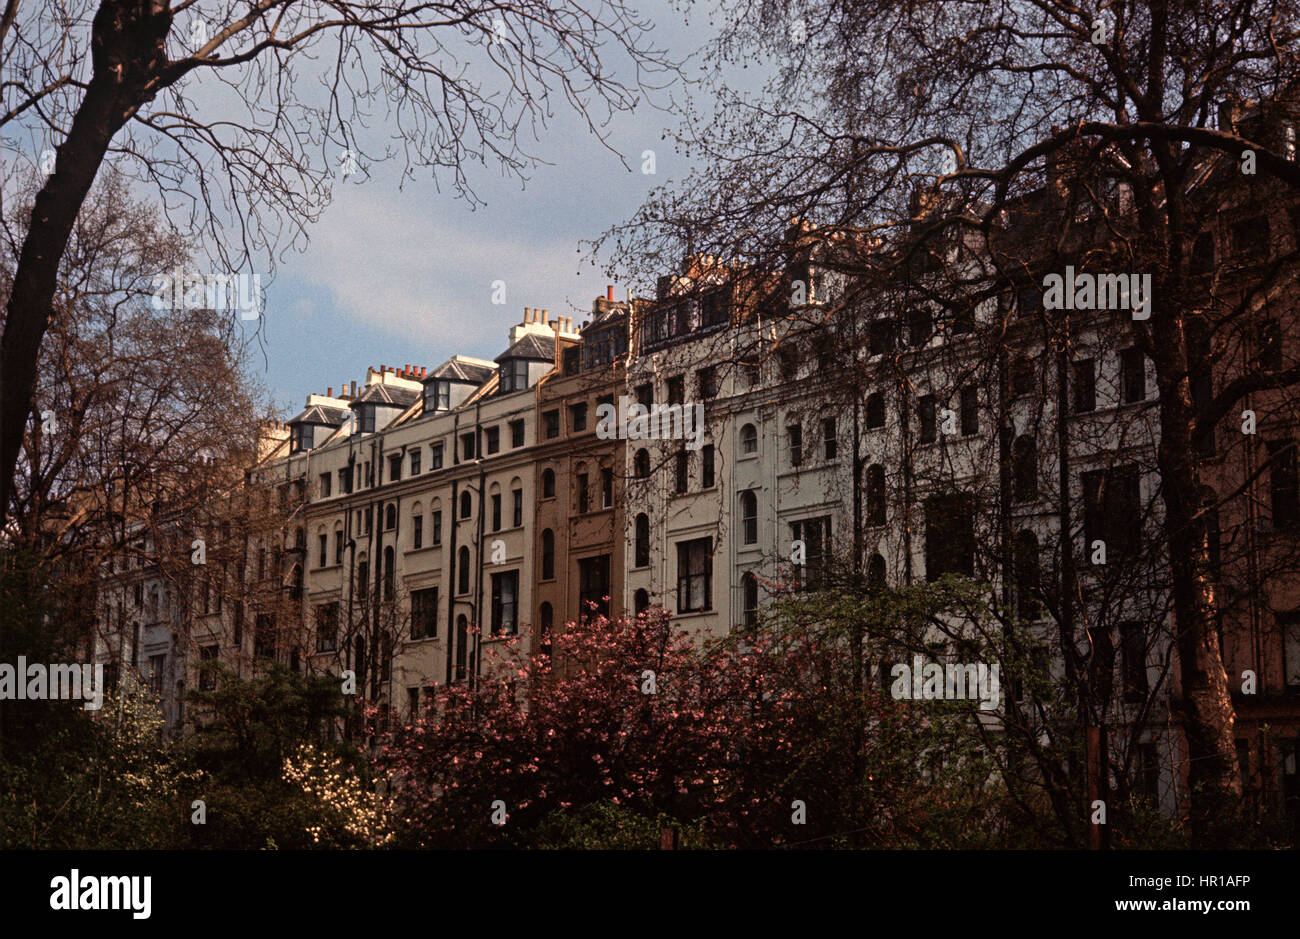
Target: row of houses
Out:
[416,522]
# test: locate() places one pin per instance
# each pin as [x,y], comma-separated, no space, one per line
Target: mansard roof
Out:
[457,370]
[319,414]
[387,394]
[530,346]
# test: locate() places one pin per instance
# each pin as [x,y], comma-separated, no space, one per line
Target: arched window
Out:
[466,506]
[875,494]
[749,439]
[1024,469]
[641,464]
[390,516]
[388,572]
[417,526]
[548,484]
[363,579]
[1026,573]
[546,623]
[749,517]
[749,590]
[641,553]
[876,573]
[462,570]
[548,554]
[641,601]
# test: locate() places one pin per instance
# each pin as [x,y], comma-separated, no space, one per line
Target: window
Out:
[707,466]
[1022,376]
[751,373]
[435,456]
[366,419]
[496,511]
[1251,238]
[880,338]
[876,573]
[413,703]
[681,470]
[546,622]
[388,578]
[1283,482]
[578,417]
[641,464]
[584,492]
[970,414]
[467,446]
[435,528]
[875,494]
[1029,299]
[437,396]
[749,599]
[514,375]
[323,558]
[390,516]
[325,480]
[676,390]
[571,360]
[264,637]
[606,488]
[493,435]
[748,439]
[1085,386]
[517,510]
[829,443]
[345,479]
[641,541]
[417,528]
[394,467]
[949,536]
[505,603]
[424,613]
[876,410]
[462,646]
[920,326]
[795,433]
[593,586]
[517,433]
[462,570]
[641,601]
[207,672]
[548,554]
[715,308]
[815,533]
[748,517]
[695,575]
[1027,577]
[787,363]
[1133,660]
[963,320]
[1024,469]
[415,463]
[707,381]
[1289,626]
[338,545]
[466,505]
[548,484]
[1133,378]
[368,518]
[929,419]
[1268,339]
[1112,510]
[645,395]
[551,421]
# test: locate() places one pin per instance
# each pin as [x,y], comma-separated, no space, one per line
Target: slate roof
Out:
[319,414]
[467,372]
[387,394]
[530,346]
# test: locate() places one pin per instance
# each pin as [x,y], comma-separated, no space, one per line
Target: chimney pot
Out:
[329,392]
[609,292]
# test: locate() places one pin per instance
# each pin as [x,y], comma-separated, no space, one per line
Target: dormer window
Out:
[437,396]
[366,419]
[303,438]
[514,375]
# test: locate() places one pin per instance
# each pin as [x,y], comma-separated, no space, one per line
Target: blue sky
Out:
[393,276]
